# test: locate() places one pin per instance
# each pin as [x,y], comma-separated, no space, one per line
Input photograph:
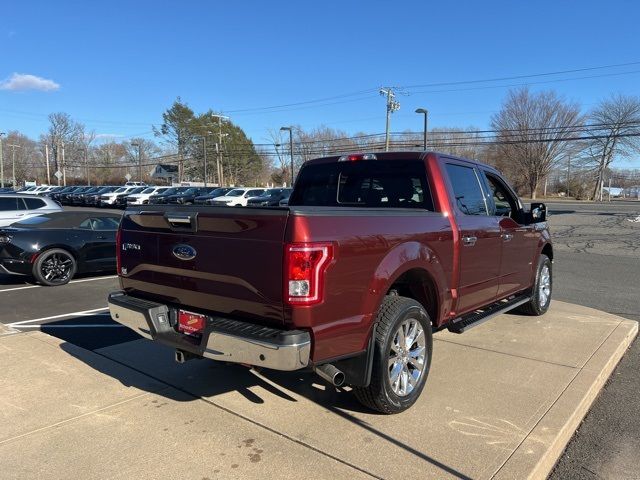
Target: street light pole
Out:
[424,132]
[290,129]
[13,161]
[1,163]
[139,161]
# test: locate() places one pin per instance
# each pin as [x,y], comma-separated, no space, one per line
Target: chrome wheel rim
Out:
[544,289]
[56,268]
[407,357]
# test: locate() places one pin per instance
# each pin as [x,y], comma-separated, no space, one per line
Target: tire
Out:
[54,267]
[541,296]
[383,394]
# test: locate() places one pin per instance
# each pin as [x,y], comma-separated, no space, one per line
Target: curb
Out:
[537,455]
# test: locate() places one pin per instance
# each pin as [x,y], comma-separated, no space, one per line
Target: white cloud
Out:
[24,81]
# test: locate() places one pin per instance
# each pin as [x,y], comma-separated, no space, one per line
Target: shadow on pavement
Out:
[205,379]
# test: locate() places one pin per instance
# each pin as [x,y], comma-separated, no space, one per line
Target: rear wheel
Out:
[402,356]
[541,293]
[54,267]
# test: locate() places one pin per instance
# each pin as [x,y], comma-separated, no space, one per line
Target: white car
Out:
[142,198]
[238,197]
[14,207]
[38,190]
[110,198]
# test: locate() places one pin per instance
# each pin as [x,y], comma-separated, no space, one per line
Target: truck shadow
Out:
[150,367]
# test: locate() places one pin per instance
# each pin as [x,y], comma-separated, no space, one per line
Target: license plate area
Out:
[191,323]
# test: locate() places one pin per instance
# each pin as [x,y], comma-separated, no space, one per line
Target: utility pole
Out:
[609,188]
[139,161]
[86,165]
[568,174]
[424,132]
[392,106]
[1,163]
[46,156]
[64,167]
[204,151]
[13,161]
[219,168]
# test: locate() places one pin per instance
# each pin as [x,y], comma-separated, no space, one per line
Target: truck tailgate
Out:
[223,260]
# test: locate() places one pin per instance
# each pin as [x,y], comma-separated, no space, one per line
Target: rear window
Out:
[366,183]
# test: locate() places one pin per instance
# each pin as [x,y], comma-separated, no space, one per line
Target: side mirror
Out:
[538,212]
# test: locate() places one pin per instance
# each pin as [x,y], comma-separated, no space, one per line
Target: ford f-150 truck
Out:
[373,253]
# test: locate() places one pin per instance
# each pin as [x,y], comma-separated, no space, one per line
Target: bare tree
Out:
[21,152]
[535,132]
[63,130]
[615,131]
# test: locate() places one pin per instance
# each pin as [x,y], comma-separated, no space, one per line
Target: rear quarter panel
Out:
[372,249]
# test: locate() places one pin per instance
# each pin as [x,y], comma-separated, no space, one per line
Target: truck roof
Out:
[398,155]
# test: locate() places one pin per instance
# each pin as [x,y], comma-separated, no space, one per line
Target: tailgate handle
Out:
[180,220]
[186,222]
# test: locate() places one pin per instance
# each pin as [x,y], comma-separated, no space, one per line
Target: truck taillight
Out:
[118,250]
[305,265]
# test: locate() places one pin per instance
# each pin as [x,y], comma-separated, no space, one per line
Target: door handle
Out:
[469,241]
[101,237]
[507,237]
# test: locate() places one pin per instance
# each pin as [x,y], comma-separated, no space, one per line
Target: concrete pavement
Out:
[502,401]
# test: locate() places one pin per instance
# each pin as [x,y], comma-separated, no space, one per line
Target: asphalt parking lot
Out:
[596,265]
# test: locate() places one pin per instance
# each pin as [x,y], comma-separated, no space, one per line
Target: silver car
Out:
[14,207]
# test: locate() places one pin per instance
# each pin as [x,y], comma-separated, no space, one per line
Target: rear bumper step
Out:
[223,339]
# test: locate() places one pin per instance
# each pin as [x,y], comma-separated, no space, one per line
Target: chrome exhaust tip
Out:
[331,374]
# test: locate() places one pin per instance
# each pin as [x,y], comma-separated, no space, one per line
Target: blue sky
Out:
[119,64]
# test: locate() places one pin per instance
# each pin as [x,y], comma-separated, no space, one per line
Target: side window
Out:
[505,204]
[467,190]
[104,223]
[34,203]
[9,204]
[86,224]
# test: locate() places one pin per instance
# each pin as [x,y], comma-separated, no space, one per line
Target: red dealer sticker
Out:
[191,323]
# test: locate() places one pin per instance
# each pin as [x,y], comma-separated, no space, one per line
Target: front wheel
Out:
[402,356]
[54,267]
[541,292]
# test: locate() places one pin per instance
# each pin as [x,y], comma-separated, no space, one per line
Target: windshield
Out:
[170,191]
[121,189]
[148,190]
[235,193]
[137,190]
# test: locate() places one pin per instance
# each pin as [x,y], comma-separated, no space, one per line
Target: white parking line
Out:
[72,281]
[84,313]
[70,326]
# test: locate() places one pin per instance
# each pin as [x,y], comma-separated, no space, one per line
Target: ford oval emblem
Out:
[184,252]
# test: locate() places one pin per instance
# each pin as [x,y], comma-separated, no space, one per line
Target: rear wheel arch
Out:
[419,285]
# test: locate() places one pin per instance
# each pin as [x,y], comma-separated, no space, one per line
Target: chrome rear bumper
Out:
[223,339]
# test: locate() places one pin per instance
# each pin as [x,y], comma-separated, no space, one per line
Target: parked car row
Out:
[112,196]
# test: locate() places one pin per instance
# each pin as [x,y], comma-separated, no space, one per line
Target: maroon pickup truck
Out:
[373,254]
